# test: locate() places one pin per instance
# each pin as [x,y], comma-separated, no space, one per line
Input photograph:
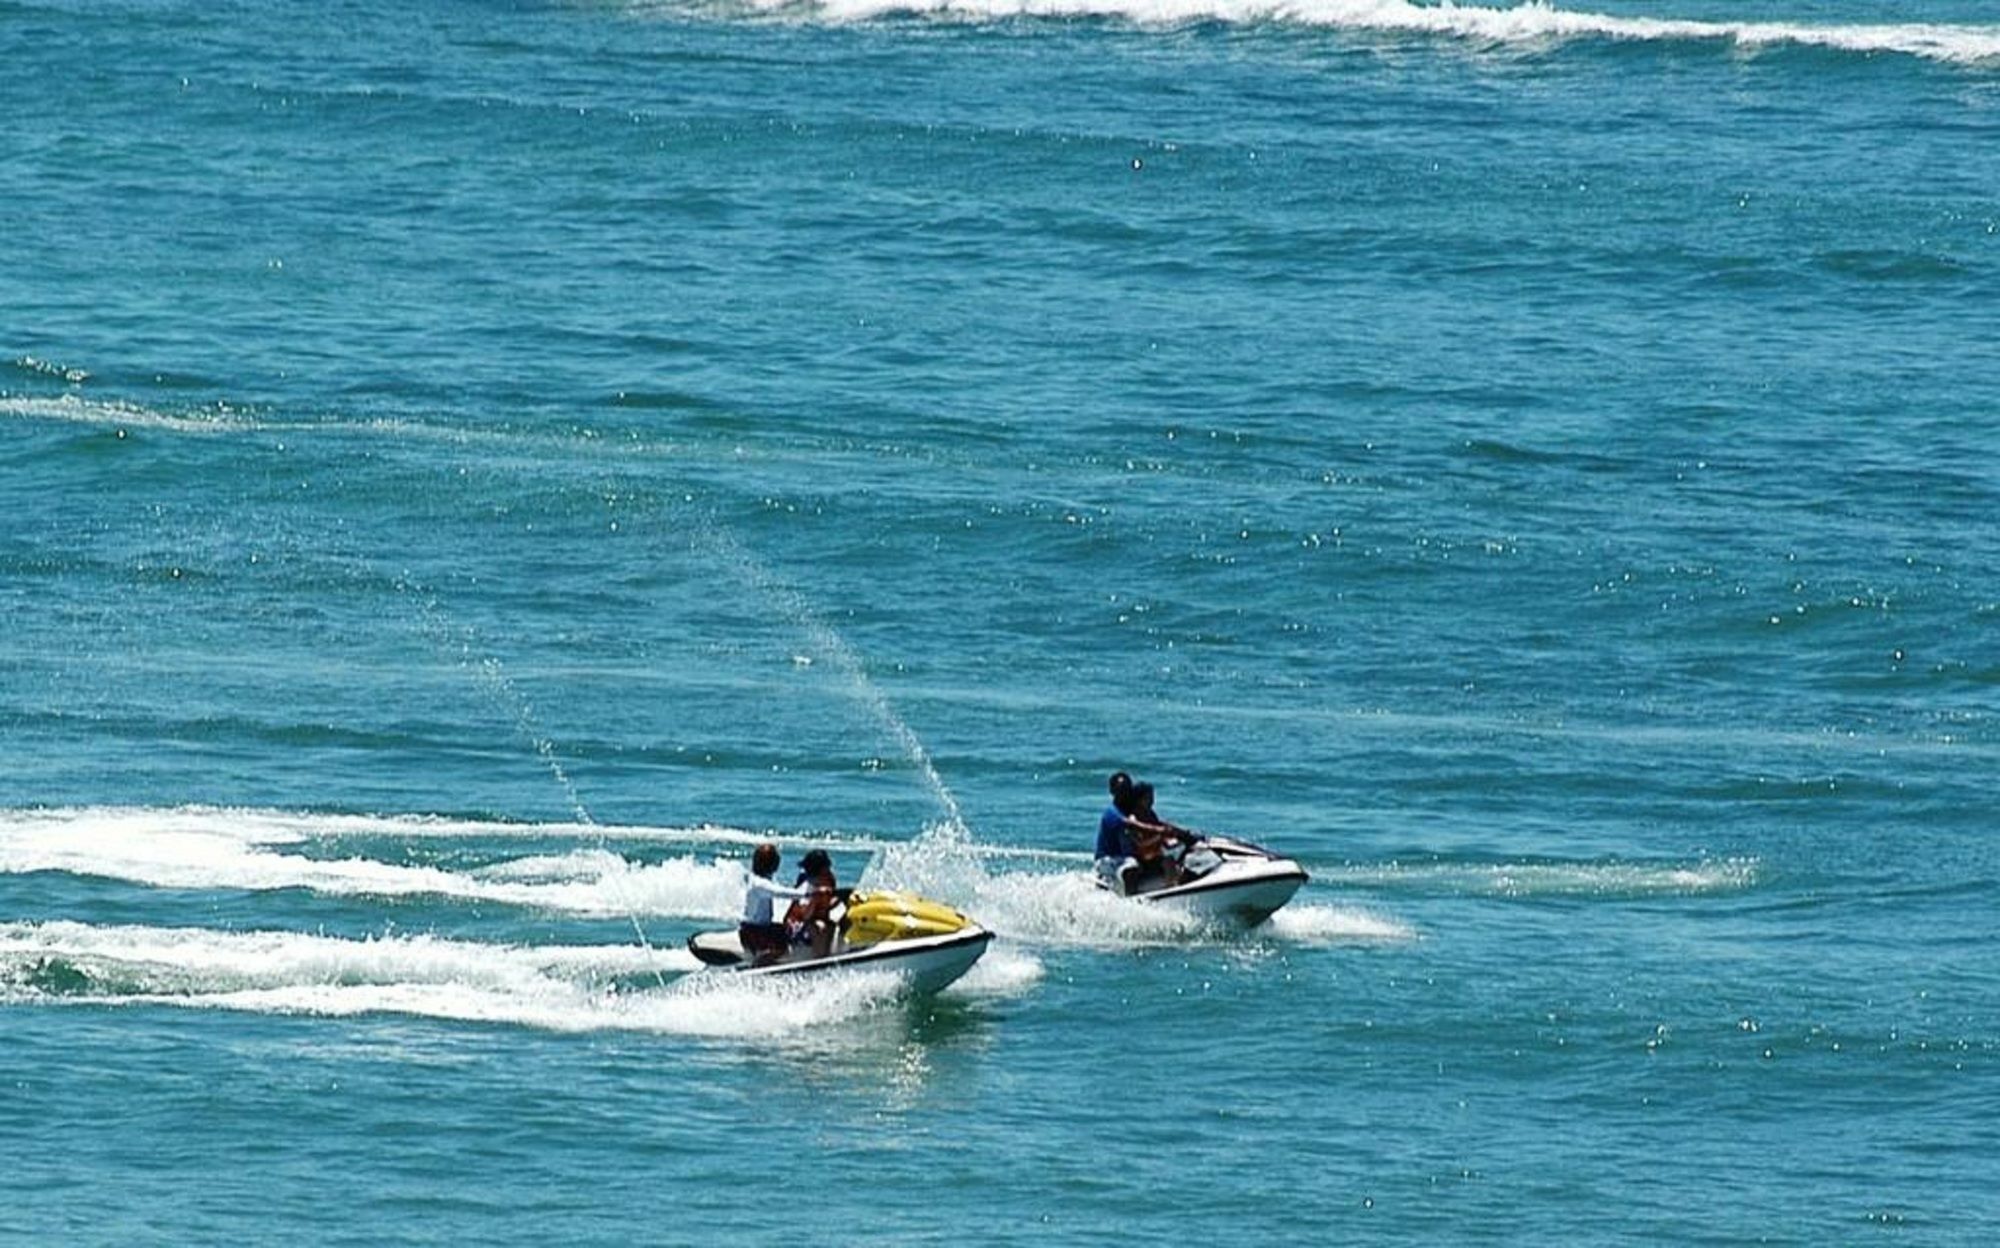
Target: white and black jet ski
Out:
[928,943]
[1221,878]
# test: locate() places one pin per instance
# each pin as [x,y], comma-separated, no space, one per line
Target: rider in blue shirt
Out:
[1131,839]
[1113,841]
[1117,864]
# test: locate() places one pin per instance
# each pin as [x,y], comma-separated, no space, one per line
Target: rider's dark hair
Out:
[1121,792]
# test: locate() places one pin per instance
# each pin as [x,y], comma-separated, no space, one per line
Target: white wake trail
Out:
[569,988]
[199,848]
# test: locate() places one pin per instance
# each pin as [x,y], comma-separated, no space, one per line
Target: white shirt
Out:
[761,892]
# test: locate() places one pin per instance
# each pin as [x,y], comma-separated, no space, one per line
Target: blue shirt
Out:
[1112,842]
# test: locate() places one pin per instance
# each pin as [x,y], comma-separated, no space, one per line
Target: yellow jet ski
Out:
[926,941]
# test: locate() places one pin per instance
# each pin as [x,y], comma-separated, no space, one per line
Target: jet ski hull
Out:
[927,963]
[1247,884]
[1245,892]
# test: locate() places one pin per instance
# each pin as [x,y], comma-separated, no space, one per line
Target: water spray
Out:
[833,648]
[503,693]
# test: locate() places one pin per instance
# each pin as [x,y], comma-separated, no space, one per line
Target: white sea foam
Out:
[204,848]
[709,1006]
[1336,925]
[210,848]
[76,409]
[1066,908]
[1039,908]
[278,827]
[214,960]
[1069,909]
[1520,25]
[226,418]
[1555,879]
[560,988]
[1005,970]
[51,368]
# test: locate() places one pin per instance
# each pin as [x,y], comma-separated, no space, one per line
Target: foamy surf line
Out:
[1524,24]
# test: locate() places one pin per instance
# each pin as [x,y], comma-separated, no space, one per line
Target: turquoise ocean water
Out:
[469,470]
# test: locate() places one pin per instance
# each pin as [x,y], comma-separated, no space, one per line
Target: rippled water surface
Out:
[470,471]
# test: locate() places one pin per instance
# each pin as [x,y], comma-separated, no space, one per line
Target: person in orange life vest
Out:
[1128,842]
[810,919]
[1151,835]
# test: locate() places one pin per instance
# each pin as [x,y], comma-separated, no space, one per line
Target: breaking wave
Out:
[1526,25]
